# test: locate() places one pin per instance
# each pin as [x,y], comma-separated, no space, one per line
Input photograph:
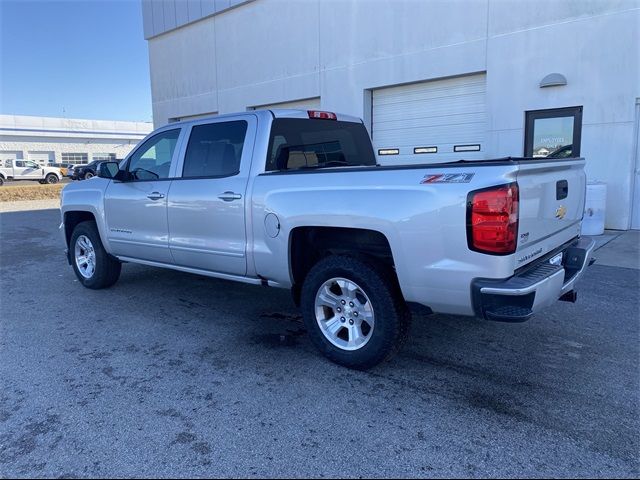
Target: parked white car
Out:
[28,170]
[294,199]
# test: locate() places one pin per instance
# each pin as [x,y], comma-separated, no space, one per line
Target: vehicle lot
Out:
[24,183]
[170,374]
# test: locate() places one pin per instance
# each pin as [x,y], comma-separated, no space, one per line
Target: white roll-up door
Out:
[43,158]
[307,104]
[434,121]
[10,155]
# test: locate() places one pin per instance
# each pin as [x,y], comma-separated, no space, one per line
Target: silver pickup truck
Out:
[294,199]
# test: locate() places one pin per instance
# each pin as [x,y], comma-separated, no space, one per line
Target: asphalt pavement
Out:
[173,375]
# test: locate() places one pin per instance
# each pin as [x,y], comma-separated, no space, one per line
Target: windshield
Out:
[301,143]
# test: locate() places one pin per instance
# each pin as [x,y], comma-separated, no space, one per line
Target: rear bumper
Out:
[516,298]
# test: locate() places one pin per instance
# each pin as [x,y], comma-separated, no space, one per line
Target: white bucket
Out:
[594,209]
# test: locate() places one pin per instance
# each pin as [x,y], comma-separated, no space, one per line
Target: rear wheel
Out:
[354,311]
[93,266]
[1,181]
[51,179]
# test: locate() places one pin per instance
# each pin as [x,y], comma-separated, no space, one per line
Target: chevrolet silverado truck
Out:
[295,199]
[28,170]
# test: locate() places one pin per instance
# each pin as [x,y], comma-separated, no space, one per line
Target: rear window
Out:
[215,149]
[301,143]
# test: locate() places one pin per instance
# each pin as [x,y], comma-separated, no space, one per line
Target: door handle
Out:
[155,196]
[562,189]
[229,196]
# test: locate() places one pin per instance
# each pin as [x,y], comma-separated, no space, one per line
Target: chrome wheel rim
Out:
[344,314]
[85,256]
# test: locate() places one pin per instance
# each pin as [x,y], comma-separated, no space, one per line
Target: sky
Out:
[74,59]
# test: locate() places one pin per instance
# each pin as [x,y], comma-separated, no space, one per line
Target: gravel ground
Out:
[23,183]
[23,205]
[168,374]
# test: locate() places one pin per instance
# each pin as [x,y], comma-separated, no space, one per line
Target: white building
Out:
[452,79]
[66,140]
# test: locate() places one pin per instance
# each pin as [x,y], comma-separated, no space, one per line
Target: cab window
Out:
[152,160]
[215,150]
[301,143]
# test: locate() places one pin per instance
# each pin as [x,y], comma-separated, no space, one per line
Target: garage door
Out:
[43,158]
[10,155]
[306,104]
[427,122]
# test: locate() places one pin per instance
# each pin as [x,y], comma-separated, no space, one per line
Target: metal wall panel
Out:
[160,16]
[306,104]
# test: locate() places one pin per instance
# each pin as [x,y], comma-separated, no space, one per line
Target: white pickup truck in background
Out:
[28,170]
[294,199]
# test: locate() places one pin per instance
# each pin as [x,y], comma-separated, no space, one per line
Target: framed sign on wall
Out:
[553,133]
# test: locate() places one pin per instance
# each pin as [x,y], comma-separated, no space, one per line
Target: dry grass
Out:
[29,192]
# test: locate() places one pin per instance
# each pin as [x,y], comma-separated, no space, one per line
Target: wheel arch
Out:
[73,218]
[309,244]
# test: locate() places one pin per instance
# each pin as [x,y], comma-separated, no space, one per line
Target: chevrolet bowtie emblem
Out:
[561,212]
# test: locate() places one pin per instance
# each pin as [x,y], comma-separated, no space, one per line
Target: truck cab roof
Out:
[266,114]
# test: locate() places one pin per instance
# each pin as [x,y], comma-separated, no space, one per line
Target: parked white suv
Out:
[294,199]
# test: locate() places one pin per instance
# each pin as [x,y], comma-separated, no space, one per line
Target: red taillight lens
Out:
[492,220]
[322,115]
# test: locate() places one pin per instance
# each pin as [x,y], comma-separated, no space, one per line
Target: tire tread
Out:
[107,268]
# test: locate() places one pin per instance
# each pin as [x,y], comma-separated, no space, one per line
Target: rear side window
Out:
[301,143]
[215,150]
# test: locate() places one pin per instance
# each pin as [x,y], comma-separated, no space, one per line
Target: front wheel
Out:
[93,266]
[51,179]
[354,311]
[1,181]
[88,175]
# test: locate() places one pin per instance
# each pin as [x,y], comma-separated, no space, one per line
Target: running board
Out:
[206,273]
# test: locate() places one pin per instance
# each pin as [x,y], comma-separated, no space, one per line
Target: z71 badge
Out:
[447,178]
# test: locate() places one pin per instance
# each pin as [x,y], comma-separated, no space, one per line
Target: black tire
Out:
[88,175]
[107,268]
[392,317]
[1,181]
[51,178]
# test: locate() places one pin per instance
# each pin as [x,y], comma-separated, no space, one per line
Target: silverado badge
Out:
[561,211]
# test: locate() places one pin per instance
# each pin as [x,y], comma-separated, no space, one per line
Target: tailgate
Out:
[552,194]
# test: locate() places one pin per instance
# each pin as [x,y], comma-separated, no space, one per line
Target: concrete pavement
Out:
[622,251]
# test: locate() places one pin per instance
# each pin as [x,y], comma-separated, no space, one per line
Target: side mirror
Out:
[109,170]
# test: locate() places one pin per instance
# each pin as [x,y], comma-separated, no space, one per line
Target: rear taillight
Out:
[492,219]
[322,115]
